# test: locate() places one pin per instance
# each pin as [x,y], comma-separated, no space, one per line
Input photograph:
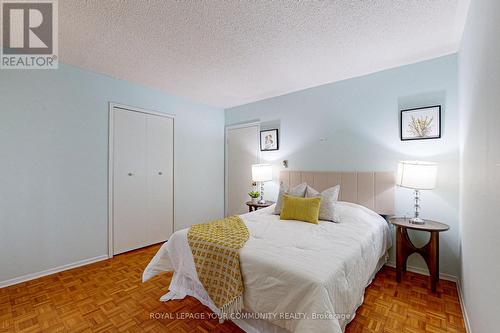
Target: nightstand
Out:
[430,251]
[254,206]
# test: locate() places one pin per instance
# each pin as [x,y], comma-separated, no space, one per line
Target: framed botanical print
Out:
[269,140]
[421,123]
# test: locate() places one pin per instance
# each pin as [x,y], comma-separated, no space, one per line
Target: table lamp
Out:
[418,176]
[262,173]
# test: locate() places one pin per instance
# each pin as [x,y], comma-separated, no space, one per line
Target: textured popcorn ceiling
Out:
[226,53]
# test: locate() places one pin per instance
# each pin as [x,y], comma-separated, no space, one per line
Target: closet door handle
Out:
[160,173]
[130,174]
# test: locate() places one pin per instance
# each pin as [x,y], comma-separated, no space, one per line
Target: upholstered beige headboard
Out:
[374,190]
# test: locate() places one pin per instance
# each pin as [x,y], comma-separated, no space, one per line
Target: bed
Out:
[299,277]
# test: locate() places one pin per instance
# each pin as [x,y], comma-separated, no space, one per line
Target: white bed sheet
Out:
[293,272]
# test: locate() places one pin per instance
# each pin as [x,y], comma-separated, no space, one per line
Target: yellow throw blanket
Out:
[215,247]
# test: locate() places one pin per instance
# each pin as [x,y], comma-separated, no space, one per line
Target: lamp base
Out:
[262,201]
[417,220]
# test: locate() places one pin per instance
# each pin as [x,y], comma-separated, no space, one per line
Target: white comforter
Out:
[300,276]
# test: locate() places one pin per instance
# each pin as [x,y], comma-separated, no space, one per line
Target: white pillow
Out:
[328,199]
[297,191]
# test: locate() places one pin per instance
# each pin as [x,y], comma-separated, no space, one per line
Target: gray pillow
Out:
[297,191]
[328,199]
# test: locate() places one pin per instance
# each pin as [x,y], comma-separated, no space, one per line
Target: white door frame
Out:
[230,127]
[112,106]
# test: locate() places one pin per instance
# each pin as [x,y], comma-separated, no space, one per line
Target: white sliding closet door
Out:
[142,179]
[129,178]
[160,177]
[242,150]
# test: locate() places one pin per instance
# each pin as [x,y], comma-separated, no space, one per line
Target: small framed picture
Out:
[421,123]
[269,140]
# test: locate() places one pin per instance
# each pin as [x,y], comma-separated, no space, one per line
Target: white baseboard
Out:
[50,271]
[423,271]
[462,305]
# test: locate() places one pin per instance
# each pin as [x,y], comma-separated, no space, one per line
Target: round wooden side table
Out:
[430,251]
[254,206]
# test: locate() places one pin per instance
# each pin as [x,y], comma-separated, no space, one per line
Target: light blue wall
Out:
[354,125]
[53,163]
[479,83]
[53,148]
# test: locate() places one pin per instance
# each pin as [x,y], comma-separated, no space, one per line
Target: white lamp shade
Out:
[262,172]
[417,175]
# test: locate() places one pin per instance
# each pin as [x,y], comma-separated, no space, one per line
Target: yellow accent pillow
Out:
[300,209]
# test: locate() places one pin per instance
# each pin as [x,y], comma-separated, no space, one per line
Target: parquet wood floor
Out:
[109,297]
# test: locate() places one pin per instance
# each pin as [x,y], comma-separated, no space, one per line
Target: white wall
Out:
[479,82]
[53,164]
[354,125]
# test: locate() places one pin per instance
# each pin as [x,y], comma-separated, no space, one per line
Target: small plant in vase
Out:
[254,195]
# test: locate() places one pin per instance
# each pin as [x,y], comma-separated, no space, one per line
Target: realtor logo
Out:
[29,34]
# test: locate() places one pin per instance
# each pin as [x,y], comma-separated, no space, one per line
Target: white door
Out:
[160,176]
[242,150]
[142,205]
